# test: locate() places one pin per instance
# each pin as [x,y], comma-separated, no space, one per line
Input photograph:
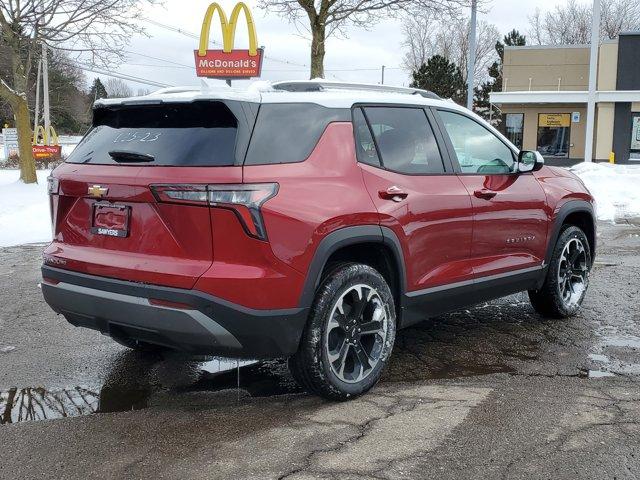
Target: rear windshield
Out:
[190,134]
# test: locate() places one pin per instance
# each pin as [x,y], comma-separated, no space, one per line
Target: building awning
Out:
[563,96]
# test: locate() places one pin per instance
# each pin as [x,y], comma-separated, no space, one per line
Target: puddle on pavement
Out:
[491,338]
[585,373]
[619,354]
[500,337]
[133,381]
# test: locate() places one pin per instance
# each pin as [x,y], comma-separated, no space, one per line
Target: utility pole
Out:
[36,113]
[382,79]
[45,87]
[471,62]
[593,78]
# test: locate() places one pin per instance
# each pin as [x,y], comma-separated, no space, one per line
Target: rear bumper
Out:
[206,324]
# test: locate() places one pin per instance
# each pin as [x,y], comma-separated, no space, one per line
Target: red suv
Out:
[309,220]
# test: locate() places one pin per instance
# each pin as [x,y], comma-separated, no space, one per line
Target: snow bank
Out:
[24,209]
[616,188]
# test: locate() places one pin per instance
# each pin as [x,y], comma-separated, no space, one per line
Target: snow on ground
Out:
[616,188]
[24,209]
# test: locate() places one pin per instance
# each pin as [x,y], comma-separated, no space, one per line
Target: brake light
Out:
[244,199]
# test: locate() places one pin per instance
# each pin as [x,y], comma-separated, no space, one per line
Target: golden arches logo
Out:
[228,28]
[49,136]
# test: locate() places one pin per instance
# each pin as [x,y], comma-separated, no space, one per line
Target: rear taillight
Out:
[244,199]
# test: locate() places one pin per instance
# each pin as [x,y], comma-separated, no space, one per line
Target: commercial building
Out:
[544,100]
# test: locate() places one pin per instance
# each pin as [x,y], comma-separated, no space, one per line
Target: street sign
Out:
[10,140]
[228,63]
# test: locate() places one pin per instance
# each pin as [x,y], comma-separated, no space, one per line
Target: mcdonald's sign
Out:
[49,147]
[228,63]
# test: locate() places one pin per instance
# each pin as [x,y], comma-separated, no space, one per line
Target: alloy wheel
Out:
[572,272]
[356,333]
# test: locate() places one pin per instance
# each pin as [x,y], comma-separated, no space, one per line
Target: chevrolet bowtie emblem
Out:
[97,191]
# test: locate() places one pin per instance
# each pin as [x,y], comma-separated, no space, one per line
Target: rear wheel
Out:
[567,277]
[349,335]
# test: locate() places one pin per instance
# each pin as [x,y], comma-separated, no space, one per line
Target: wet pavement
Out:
[491,391]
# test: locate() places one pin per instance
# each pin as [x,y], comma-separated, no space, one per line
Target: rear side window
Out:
[365,146]
[190,134]
[405,140]
[288,132]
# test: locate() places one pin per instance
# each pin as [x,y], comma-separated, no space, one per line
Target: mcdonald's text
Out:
[235,64]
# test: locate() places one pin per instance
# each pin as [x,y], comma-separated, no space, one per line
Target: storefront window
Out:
[635,138]
[554,130]
[514,126]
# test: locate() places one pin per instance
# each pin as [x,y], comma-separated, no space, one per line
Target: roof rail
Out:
[321,85]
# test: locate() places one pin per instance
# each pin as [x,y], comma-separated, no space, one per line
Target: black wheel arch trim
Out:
[345,237]
[572,206]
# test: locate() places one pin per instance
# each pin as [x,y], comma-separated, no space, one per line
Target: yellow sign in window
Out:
[554,120]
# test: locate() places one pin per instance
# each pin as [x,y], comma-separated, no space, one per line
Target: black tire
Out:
[549,300]
[311,365]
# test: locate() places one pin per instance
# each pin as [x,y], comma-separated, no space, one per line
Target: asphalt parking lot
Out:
[490,392]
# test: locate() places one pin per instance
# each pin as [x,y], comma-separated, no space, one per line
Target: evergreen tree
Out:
[442,77]
[481,93]
[97,90]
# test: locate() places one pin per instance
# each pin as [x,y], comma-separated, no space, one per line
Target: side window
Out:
[365,147]
[478,150]
[405,140]
[288,132]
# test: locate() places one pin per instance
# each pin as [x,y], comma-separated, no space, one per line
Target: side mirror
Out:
[529,161]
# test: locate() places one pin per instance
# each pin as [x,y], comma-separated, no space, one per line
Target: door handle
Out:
[484,193]
[393,193]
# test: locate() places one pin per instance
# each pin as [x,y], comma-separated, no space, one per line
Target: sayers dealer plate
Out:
[111,220]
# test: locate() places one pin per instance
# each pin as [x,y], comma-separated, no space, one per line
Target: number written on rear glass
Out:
[137,137]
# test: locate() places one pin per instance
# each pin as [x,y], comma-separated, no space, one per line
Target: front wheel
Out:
[349,335]
[567,277]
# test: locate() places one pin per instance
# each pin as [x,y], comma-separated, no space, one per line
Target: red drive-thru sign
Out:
[46,151]
[49,147]
[228,63]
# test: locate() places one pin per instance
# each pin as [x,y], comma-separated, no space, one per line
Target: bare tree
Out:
[619,16]
[425,36]
[117,88]
[324,18]
[570,23]
[97,28]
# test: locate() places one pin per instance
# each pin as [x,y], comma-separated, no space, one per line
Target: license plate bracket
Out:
[110,219]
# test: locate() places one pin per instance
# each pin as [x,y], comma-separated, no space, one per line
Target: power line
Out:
[122,76]
[183,65]
[193,35]
[157,58]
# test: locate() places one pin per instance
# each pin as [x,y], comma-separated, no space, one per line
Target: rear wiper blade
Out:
[126,156]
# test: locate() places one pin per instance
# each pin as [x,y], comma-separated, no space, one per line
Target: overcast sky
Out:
[356,58]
